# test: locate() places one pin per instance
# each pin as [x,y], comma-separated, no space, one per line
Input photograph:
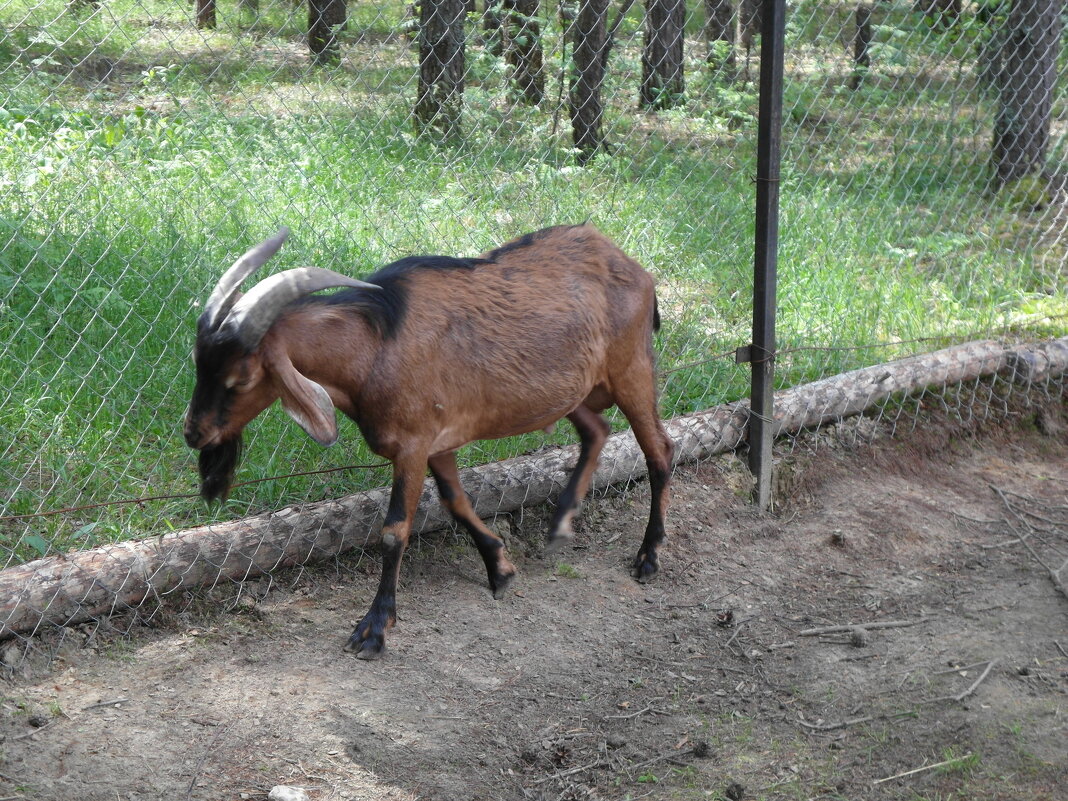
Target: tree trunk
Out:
[749,23]
[587,78]
[206,14]
[325,19]
[523,49]
[662,76]
[941,12]
[1025,85]
[441,67]
[719,33]
[493,27]
[861,47]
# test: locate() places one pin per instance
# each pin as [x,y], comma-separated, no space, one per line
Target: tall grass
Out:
[123,198]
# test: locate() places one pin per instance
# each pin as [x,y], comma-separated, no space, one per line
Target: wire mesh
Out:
[147,144]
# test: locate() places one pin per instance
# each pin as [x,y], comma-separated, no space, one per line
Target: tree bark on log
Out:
[68,589]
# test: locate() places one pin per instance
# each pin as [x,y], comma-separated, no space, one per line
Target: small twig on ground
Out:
[30,734]
[960,669]
[737,631]
[563,774]
[1061,649]
[878,624]
[822,727]
[671,757]
[1005,544]
[100,704]
[639,713]
[204,757]
[962,695]
[855,721]
[914,771]
[1054,574]
[975,519]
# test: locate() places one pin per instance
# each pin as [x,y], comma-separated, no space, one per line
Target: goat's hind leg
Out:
[500,571]
[593,430]
[659,450]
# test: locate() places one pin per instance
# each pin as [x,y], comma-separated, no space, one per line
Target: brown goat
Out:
[432,353]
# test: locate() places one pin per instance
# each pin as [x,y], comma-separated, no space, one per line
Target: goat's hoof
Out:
[371,648]
[501,586]
[645,568]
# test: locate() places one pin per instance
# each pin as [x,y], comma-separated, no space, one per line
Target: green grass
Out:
[122,200]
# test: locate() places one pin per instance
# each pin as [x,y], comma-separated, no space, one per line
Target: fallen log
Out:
[74,587]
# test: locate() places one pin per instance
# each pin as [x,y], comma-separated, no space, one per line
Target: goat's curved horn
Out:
[222,297]
[257,310]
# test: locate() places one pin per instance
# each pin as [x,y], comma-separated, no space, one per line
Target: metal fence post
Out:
[762,352]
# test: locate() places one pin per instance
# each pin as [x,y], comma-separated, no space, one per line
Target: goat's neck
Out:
[334,352]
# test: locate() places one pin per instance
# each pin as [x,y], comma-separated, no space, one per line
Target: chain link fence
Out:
[144,145]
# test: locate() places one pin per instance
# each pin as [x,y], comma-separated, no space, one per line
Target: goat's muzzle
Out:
[218,464]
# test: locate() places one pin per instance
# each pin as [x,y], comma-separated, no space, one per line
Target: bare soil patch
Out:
[583,684]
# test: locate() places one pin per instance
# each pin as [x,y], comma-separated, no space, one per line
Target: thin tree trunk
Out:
[441,67]
[861,47]
[720,35]
[206,14]
[941,12]
[588,77]
[1025,85]
[662,74]
[749,23]
[523,49]
[493,27]
[325,19]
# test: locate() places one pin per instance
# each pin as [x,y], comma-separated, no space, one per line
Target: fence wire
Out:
[145,145]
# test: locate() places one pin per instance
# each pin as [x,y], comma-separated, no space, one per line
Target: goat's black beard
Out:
[218,464]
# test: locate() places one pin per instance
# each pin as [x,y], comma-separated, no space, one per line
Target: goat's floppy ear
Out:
[306,402]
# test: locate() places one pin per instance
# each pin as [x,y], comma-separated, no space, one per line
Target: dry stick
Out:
[925,767]
[1061,649]
[962,695]
[105,703]
[29,734]
[960,669]
[867,718]
[854,721]
[640,712]
[883,624]
[1054,575]
[572,771]
[204,758]
[737,631]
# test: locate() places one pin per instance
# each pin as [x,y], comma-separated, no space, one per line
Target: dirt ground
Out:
[583,684]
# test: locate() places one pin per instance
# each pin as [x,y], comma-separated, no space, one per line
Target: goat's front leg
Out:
[368,641]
